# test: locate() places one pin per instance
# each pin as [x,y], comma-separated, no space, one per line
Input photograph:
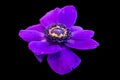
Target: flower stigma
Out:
[58,33]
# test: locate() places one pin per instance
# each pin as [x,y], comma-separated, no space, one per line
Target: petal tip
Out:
[20,33]
[97,44]
[29,45]
[70,6]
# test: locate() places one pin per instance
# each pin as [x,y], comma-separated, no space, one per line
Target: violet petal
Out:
[82,44]
[76,28]
[68,16]
[63,62]
[50,17]
[37,27]
[43,47]
[83,34]
[30,35]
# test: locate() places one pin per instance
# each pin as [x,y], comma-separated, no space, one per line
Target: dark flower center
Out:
[57,33]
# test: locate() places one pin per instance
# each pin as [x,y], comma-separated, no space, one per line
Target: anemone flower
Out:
[55,35]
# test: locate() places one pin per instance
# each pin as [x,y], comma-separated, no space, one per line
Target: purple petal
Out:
[68,16]
[50,17]
[63,62]
[30,35]
[76,28]
[43,47]
[40,58]
[37,27]
[82,44]
[83,34]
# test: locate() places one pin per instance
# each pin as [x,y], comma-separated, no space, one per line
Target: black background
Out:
[28,13]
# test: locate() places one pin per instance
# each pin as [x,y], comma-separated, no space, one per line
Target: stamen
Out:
[58,33]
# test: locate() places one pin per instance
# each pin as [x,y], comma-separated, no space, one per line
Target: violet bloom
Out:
[55,35]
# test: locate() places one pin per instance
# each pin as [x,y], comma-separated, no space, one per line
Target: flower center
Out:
[57,33]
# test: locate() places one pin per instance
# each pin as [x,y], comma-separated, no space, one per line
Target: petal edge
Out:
[64,62]
[82,44]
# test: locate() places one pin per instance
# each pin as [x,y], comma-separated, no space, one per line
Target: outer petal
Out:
[43,47]
[50,17]
[82,44]
[30,35]
[83,34]
[76,28]
[37,27]
[68,16]
[63,62]
[40,58]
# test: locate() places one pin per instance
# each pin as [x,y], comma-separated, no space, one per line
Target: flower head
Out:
[55,35]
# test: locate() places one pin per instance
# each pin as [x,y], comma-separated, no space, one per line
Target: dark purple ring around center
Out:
[58,31]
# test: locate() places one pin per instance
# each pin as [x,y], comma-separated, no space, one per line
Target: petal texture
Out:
[83,34]
[63,62]
[76,28]
[82,44]
[37,27]
[50,17]
[68,16]
[30,35]
[43,47]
